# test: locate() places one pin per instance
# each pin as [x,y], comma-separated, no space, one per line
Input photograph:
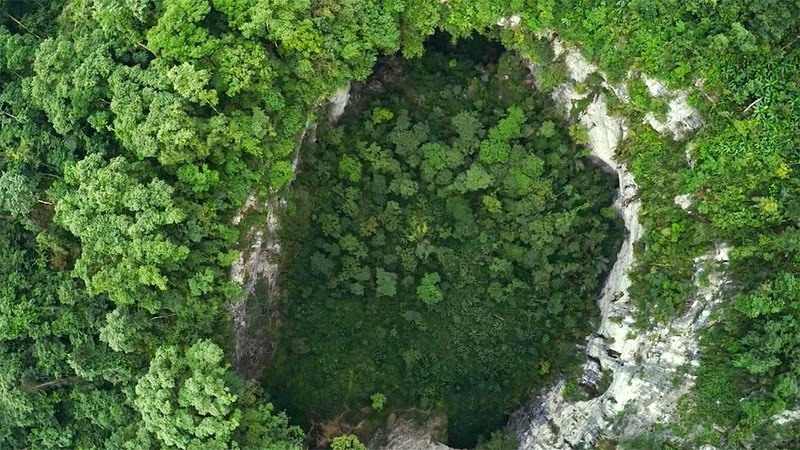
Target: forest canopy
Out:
[133,131]
[453,244]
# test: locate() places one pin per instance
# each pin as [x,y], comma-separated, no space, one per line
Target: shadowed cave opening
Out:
[445,243]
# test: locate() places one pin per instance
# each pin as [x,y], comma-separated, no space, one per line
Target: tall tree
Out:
[121,223]
[190,400]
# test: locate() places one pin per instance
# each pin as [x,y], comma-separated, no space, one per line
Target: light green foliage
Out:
[760,338]
[120,222]
[468,126]
[184,400]
[16,195]
[122,330]
[350,167]
[579,134]
[509,127]
[191,84]
[378,401]
[177,34]
[497,148]
[380,115]
[188,401]
[494,151]
[386,283]
[547,129]
[427,290]
[347,442]
[418,20]
[476,178]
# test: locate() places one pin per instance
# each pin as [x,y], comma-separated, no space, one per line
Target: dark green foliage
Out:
[132,131]
[451,251]
[57,380]
[499,440]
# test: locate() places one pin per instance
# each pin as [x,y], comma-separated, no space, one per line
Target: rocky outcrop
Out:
[651,372]
[685,201]
[406,434]
[681,119]
[509,22]
[256,265]
[338,102]
[649,369]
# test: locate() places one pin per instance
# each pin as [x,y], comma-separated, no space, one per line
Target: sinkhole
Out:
[445,244]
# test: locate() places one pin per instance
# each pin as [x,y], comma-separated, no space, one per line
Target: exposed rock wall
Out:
[257,265]
[648,374]
[338,102]
[644,366]
[681,119]
[406,434]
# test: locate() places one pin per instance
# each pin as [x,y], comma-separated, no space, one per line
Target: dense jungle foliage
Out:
[132,131]
[452,240]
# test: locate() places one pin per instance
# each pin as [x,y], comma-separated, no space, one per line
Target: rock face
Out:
[257,265]
[405,434]
[682,118]
[579,68]
[648,373]
[648,369]
[509,22]
[338,102]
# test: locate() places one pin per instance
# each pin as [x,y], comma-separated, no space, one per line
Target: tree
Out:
[378,401]
[53,370]
[386,283]
[123,225]
[188,400]
[177,33]
[427,290]
[184,400]
[347,442]
[17,195]
[350,168]
[476,178]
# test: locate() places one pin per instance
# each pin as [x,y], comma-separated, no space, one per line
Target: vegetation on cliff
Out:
[132,131]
